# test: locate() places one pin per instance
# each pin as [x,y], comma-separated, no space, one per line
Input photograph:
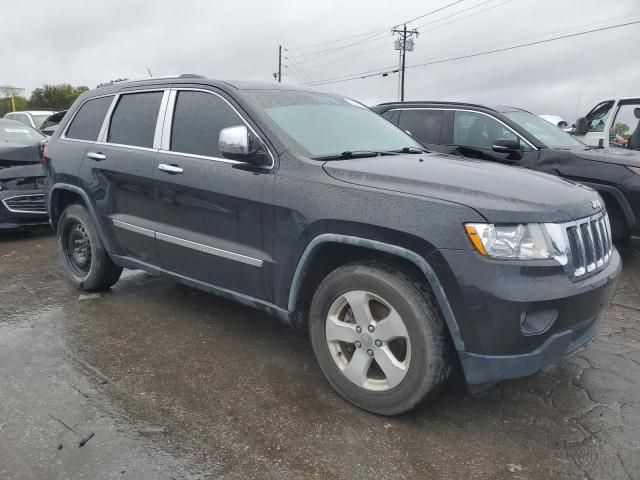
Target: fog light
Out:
[537,321]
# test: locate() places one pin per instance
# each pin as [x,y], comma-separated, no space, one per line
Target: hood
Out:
[499,193]
[13,153]
[619,156]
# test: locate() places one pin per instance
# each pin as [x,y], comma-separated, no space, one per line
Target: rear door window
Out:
[134,119]
[87,122]
[198,118]
[423,125]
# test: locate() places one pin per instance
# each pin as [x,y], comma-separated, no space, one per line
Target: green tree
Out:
[622,129]
[5,104]
[55,97]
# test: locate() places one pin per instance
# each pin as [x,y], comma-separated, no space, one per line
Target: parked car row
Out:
[512,136]
[402,261]
[21,176]
[44,121]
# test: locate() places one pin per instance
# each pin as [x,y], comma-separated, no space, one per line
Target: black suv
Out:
[513,136]
[317,210]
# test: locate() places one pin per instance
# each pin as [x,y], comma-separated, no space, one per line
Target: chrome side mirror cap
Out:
[234,142]
[238,143]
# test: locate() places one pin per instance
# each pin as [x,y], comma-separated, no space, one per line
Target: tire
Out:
[86,263]
[389,293]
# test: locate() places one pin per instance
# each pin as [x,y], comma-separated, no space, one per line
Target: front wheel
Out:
[86,263]
[378,337]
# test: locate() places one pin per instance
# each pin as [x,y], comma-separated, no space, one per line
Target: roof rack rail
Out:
[162,77]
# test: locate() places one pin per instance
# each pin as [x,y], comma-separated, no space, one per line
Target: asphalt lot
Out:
[175,383]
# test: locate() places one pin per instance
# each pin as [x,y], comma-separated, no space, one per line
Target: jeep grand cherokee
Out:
[313,208]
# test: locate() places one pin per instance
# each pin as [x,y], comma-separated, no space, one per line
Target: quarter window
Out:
[472,129]
[423,125]
[198,118]
[88,121]
[134,119]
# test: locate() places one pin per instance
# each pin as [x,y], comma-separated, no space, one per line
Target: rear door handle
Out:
[174,169]
[96,156]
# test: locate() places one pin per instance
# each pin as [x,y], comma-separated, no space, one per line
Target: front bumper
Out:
[22,208]
[515,317]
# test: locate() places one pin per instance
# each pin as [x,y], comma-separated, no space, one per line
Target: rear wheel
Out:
[86,263]
[378,338]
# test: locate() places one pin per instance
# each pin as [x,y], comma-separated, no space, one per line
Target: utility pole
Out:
[404,43]
[11,91]
[279,77]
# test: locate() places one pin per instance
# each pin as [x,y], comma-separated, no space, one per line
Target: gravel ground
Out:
[175,383]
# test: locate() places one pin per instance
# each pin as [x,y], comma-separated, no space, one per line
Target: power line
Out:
[462,11]
[379,30]
[313,67]
[538,42]
[387,70]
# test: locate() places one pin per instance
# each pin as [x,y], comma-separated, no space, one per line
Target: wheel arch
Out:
[365,245]
[62,195]
[615,195]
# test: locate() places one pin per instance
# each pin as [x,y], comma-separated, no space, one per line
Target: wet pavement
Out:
[176,383]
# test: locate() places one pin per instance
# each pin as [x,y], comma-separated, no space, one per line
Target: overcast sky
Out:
[86,42]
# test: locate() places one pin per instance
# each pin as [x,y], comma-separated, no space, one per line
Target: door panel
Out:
[119,173]
[215,221]
[122,186]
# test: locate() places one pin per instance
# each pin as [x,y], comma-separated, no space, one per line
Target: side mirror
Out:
[582,126]
[505,145]
[238,143]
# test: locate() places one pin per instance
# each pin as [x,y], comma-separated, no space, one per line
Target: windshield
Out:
[19,133]
[326,125]
[547,133]
[39,119]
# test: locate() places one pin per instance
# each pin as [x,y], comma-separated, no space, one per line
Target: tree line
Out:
[48,97]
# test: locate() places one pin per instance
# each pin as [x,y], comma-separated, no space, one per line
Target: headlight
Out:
[523,242]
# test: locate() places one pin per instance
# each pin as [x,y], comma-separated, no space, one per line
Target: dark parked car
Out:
[21,176]
[313,208]
[51,123]
[516,137]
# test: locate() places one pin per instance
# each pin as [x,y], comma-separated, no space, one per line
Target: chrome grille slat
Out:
[588,245]
[25,204]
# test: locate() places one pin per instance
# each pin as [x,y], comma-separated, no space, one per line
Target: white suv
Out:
[615,122]
[31,118]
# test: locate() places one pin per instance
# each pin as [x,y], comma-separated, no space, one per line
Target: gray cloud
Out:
[88,42]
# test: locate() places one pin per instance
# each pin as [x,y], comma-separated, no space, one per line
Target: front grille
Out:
[26,204]
[588,245]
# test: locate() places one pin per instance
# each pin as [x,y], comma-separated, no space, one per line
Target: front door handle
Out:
[173,169]
[97,156]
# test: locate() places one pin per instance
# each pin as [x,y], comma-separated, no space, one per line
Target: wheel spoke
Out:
[359,303]
[357,368]
[393,369]
[340,331]
[391,327]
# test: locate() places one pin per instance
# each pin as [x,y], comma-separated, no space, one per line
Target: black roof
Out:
[194,78]
[419,103]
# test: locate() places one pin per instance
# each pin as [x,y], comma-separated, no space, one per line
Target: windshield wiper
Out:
[411,150]
[353,154]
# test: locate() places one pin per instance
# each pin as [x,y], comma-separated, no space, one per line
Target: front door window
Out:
[625,129]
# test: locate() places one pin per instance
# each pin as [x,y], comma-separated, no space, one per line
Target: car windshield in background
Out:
[327,125]
[19,133]
[547,133]
[38,120]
